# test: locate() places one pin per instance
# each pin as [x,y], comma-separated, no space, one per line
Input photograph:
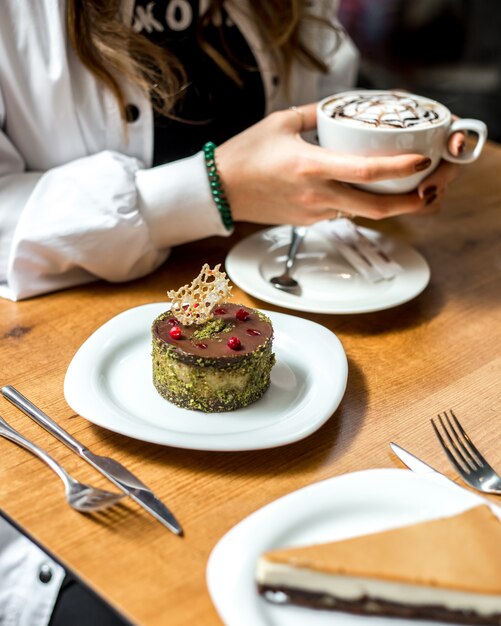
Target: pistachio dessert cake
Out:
[446,569]
[209,354]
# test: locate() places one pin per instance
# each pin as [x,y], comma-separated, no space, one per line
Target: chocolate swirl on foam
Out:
[390,110]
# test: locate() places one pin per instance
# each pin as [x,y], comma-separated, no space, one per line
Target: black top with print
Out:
[214,107]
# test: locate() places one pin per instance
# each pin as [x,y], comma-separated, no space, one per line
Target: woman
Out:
[105,107]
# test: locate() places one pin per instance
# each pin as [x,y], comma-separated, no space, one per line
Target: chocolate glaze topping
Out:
[190,347]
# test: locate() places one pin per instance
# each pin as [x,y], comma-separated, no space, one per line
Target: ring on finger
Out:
[301,115]
[343,215]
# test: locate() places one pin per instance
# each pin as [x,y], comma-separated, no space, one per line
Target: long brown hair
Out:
[109,47]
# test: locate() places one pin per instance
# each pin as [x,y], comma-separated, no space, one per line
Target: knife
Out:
[418,466]
[422,468]
[113,470]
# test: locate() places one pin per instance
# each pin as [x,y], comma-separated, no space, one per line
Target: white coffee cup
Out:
[428,136]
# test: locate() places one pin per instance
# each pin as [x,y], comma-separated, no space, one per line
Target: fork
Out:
[464,456]
[81,497]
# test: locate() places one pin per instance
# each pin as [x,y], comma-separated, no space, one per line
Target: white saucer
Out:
[109,382]
[328,283]
[336,508]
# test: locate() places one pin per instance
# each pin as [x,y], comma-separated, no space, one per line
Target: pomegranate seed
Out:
[201,345]
[219,310]
[195,305]
[242,315]
[234,343]
[175,332]
[252,332]
[172,321]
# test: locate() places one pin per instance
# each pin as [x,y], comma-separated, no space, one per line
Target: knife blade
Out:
[113,470]
[420,467]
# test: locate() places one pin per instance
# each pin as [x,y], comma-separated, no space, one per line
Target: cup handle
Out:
[475,126]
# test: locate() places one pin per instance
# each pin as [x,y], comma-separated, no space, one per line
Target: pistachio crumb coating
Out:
[221,365]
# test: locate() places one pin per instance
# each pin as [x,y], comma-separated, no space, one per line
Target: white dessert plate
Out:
[329,284]
[336,508]
[109,382]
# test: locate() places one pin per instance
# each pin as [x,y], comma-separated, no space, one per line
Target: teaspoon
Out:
[285,282]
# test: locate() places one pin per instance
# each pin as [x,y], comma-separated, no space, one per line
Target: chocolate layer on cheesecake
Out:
[367,605]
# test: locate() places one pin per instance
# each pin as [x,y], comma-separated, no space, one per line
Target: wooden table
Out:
[441,350]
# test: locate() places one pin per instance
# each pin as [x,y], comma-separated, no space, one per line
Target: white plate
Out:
[340,507]
[328,283]
[109,382]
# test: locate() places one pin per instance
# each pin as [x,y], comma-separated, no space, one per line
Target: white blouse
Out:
[79,199]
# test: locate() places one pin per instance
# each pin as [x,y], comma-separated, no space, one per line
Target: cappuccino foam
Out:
[384,110]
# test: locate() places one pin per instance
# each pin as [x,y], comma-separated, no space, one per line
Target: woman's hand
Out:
[271,175]
[433,187]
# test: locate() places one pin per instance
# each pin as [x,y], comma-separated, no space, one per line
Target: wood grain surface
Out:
[406,364]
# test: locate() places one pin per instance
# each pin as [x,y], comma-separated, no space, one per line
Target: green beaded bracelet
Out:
[216,186]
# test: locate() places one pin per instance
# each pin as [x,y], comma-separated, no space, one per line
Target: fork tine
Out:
[479,458]
[459,456]
[90,500]
[459,447]
[445,447]
[481,476]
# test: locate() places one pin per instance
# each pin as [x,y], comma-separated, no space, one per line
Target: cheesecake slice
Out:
[447,569]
